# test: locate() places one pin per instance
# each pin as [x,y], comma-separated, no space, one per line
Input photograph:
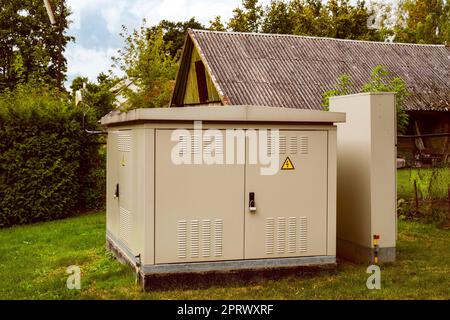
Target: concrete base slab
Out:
[148,272]
[359,254]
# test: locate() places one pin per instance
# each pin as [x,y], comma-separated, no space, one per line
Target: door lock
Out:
[251,202]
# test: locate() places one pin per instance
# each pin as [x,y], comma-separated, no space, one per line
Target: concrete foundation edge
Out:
[237,265]
[125,256]
[360,254]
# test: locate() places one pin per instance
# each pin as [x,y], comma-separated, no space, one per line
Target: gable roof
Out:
[293,71]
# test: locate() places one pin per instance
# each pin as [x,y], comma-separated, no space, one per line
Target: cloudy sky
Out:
[97,23]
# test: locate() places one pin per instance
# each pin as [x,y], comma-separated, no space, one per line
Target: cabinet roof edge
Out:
[225,114]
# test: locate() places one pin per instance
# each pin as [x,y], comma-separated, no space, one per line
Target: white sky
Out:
[97,23]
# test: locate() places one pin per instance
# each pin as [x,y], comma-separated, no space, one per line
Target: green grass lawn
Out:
[34,259]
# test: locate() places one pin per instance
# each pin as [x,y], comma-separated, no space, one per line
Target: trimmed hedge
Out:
[48,165]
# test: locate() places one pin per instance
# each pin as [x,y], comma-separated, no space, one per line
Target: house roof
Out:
[293,71]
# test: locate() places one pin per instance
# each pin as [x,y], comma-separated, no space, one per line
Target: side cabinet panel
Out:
[291,206]
[112,178]
[124,145]
[199,212]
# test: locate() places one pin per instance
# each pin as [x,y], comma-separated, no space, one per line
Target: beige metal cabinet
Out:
[167,217]
[366,202]
[291,206]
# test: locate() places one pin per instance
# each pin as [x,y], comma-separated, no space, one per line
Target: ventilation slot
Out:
[124,142]
[270,235]
[303,234]
[286,235]
[207,144]
[304,145]
[206,238]
[182,239]
[292,234]
[200,238]
[218,235]
[293,145]
[196,144]
[281,235]
[194,238]
[282,144]
[182,146]
[125,225]
[271,145]
[213,144]
[218,144]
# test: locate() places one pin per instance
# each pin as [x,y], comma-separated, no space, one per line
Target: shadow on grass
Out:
[231,279]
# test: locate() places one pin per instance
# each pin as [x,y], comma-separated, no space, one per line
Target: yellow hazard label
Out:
[287,165]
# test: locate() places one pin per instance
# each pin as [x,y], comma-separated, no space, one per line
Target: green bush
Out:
[47,162]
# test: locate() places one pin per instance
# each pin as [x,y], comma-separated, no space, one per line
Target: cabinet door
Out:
[291,206]
[199,212]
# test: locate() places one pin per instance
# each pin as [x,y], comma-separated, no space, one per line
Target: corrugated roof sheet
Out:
[294,71]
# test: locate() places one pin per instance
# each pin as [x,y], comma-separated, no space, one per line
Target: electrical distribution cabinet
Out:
[367,203]
[165,217]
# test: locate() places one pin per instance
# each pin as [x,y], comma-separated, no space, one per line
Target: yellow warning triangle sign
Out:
[287,165]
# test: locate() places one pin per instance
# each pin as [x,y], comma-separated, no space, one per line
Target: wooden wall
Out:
[191,94]
[427,122]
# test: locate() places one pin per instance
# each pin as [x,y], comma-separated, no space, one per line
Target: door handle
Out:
[116,193]
[251,202]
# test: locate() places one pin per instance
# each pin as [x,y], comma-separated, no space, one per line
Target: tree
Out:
[30,47]
[97,96]
[247,19]
[379,81]
[335,18]
[216,24]
[278,18]
[310,17]
[343,87]
[349,22]
[423,21]
[174,34]
[146,62]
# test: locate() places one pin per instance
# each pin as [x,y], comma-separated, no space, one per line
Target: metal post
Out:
[449,200]
[416,196]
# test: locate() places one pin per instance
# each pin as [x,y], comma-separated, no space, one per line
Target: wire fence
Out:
[424,193]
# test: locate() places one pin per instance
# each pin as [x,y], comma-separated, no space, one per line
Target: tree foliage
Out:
[146,61]
[248,18]
[423,21]
[29,44]
[343,87]
[216,24]
[277,18]
[174,34]
[379,81]
[335,18]
[414,21]
[97,97]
